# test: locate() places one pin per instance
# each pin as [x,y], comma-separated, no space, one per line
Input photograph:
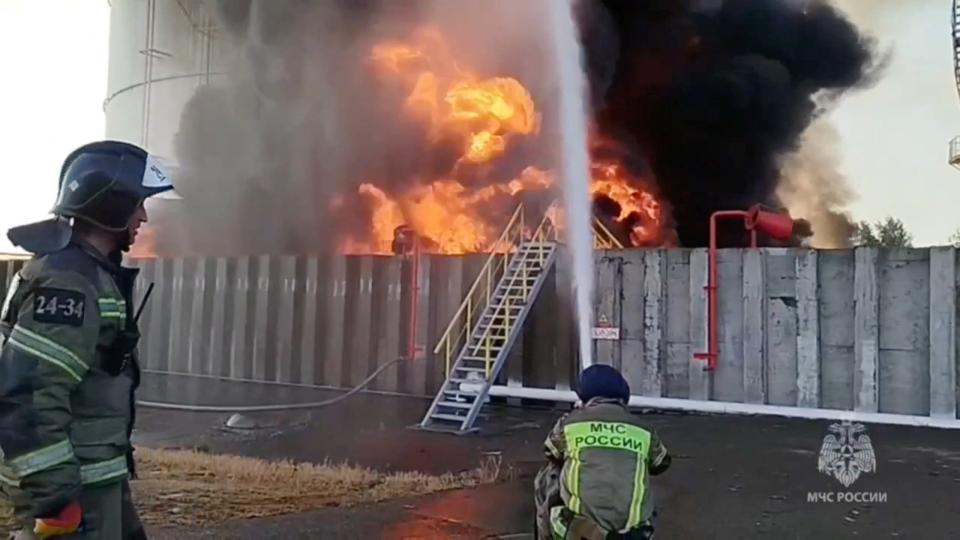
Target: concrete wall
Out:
[866,330]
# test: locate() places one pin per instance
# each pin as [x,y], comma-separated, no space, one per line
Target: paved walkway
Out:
[732,477]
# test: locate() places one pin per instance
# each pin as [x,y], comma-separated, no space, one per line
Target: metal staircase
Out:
[478,340]
[488,322]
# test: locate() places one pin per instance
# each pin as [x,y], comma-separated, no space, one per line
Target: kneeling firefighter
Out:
[68,369]
[595,485]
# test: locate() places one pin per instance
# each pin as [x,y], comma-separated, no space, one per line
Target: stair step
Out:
[495,335]
[470,369]
[514,294]
[511,300]
[483,330]
[503,312]
[496,327]
[477,362]
[515,290]
[479,352]
[501,315]
[458,393]
[450,417]
[476,358]
[496,324]
[454,404]
[458,381]
[480,345]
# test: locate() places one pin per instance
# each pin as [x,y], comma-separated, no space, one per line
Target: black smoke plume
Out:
[714,93]
[704,98]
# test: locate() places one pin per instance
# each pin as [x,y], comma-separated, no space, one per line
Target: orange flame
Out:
[447,216]
[636,204]
[482,115]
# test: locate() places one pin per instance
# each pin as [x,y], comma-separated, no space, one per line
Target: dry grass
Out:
[182,487]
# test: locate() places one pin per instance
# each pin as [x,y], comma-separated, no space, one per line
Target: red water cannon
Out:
[756,220]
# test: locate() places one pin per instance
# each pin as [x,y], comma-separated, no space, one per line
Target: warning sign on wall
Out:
[604,330]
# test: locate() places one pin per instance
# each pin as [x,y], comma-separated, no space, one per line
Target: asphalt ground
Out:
[732,476]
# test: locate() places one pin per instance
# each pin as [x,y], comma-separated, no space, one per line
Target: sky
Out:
[894,136]
[55,80]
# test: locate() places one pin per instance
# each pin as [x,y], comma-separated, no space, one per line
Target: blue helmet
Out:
[104,182]
[600,380]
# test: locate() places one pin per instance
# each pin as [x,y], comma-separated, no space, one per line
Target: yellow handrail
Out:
[603,238]
[488,273]
[542,234]
[481,292]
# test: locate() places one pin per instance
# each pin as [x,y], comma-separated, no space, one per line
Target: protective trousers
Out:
[549,507]
[108,514]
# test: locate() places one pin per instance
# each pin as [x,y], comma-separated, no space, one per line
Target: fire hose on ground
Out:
[306,405]
[270,408]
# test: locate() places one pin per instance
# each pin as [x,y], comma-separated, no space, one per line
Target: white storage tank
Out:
[160,52]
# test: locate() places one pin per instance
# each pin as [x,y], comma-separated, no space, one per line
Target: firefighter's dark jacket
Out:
[607,456]
[68,372]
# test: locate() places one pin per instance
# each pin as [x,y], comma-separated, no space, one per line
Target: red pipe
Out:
[414,299]
[771,223]
[712,352]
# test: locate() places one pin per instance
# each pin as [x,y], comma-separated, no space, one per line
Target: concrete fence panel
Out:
[869,330]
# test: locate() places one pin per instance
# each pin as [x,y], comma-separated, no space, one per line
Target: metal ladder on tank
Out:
[488,322]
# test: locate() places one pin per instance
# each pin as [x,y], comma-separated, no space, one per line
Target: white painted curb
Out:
[722,407]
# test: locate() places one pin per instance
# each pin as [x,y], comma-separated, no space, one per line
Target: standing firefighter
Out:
[595,485]
[68,369]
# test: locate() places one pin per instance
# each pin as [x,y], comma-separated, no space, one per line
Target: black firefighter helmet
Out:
[101,183]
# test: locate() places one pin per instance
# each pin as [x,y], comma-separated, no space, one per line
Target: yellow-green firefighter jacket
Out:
[607,457]
[67,377]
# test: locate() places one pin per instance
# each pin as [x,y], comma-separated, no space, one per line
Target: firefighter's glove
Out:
[67,521]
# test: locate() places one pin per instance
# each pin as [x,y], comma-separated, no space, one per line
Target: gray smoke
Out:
[299,120]
[812,186]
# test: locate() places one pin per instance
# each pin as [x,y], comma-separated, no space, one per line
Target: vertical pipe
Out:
[148,73]
[414,299]
[711,355]
[712,296]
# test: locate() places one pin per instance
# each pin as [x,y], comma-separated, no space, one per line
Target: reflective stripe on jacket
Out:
[65,397]
[607,455]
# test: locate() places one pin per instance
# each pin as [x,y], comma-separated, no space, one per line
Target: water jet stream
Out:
[575,167]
